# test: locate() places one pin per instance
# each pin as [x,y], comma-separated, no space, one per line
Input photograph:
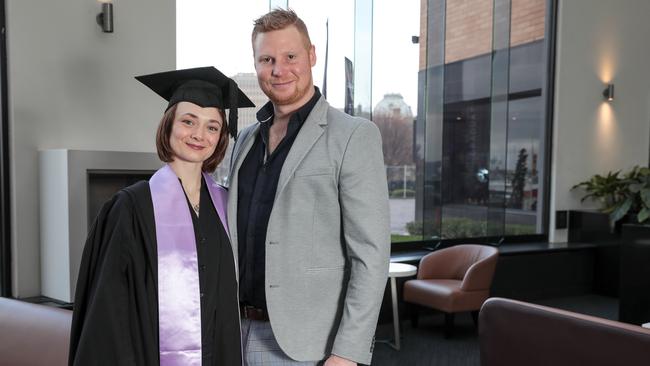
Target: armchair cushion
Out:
[445,295]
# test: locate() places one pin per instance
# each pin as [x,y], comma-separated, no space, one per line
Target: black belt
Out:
[253,313]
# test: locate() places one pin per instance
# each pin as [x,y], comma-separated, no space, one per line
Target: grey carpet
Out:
[426,345]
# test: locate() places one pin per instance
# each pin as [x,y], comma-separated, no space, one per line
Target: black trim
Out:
[435,244]
[5,211]
[551,36]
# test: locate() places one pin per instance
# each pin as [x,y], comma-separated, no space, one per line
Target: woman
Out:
[157,282]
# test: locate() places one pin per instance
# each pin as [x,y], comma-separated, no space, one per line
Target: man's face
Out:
[283,62]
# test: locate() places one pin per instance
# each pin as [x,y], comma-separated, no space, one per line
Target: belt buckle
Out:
[252,313]
[248,312]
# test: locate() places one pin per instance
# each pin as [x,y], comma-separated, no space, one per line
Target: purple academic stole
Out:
[179,299]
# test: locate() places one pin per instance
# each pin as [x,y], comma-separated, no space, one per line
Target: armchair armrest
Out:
[479,275]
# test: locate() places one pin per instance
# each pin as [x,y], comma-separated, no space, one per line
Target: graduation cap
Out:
[203,86]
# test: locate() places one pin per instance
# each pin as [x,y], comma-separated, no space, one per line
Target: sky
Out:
[217,33]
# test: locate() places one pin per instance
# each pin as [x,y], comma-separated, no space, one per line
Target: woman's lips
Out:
[195,147]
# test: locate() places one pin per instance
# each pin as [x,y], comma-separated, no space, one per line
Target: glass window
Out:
[395,60]
[331,26]
[213,33]
[5,212]
[456,87]
[483,124]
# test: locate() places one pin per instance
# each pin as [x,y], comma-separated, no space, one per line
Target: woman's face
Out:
[195,132]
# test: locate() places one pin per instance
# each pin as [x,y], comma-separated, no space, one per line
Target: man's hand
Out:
[334,360]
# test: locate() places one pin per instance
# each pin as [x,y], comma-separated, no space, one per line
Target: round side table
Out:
[398,270]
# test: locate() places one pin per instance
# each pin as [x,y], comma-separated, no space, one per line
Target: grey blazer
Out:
[328,237]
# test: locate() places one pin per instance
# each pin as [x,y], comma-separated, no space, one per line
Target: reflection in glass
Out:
[499,117]
[484,128]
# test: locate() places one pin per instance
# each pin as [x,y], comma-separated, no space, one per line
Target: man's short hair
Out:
[278,19]
[164,148]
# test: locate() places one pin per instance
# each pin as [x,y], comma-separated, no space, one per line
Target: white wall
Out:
[599,41]
[71,86]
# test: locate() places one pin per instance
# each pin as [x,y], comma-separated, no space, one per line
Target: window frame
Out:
[5,213]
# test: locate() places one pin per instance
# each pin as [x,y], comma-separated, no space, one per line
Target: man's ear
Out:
[312,55]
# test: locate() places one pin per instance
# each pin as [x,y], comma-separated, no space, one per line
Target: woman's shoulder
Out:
[128,199]
[138,190]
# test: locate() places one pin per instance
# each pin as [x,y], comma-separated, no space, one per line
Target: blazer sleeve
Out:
[363,196]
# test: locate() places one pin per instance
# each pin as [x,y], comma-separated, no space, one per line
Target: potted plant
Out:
[620,195]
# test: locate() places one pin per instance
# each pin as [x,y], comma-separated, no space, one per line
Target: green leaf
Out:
[643,215]
[635,187]
[645,197]
[621,210]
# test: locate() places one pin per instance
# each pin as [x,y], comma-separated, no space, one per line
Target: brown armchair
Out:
[513,333]
[33,334]
[452,280]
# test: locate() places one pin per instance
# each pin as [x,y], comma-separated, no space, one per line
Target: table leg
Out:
[393,290]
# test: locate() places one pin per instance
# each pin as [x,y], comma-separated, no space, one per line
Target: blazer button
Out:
[202,267]
[201,294]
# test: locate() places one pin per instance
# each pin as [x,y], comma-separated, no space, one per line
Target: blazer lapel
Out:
[309,133]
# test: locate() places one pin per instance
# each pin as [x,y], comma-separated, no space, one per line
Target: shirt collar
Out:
[266,113]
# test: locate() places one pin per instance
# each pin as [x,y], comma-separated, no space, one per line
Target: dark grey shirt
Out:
[258,182]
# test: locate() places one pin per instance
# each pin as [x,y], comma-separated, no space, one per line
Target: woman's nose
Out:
[197,134]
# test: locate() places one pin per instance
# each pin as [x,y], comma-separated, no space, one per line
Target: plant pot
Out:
[590,227]
[634,290]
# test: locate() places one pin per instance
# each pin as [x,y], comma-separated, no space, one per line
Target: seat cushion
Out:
[444,295]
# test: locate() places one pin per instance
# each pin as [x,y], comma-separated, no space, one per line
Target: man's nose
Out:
[279,68]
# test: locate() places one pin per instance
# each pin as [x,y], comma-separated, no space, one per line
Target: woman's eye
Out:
[214,129]
[187,122]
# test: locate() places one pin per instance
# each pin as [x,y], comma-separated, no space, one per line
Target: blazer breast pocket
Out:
[311,172]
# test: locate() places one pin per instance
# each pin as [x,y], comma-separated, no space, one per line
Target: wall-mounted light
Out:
[105,18]
[608,93]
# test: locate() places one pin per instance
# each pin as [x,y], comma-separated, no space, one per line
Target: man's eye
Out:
[265,60]
[291,57]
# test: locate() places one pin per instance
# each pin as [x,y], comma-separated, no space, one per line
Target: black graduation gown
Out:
[115,319]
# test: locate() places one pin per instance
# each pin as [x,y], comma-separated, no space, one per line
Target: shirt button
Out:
[201,294]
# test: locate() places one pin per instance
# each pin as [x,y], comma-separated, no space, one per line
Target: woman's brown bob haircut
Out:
[278,19]
[165,152]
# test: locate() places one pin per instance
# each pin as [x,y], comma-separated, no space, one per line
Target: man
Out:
[308,212]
